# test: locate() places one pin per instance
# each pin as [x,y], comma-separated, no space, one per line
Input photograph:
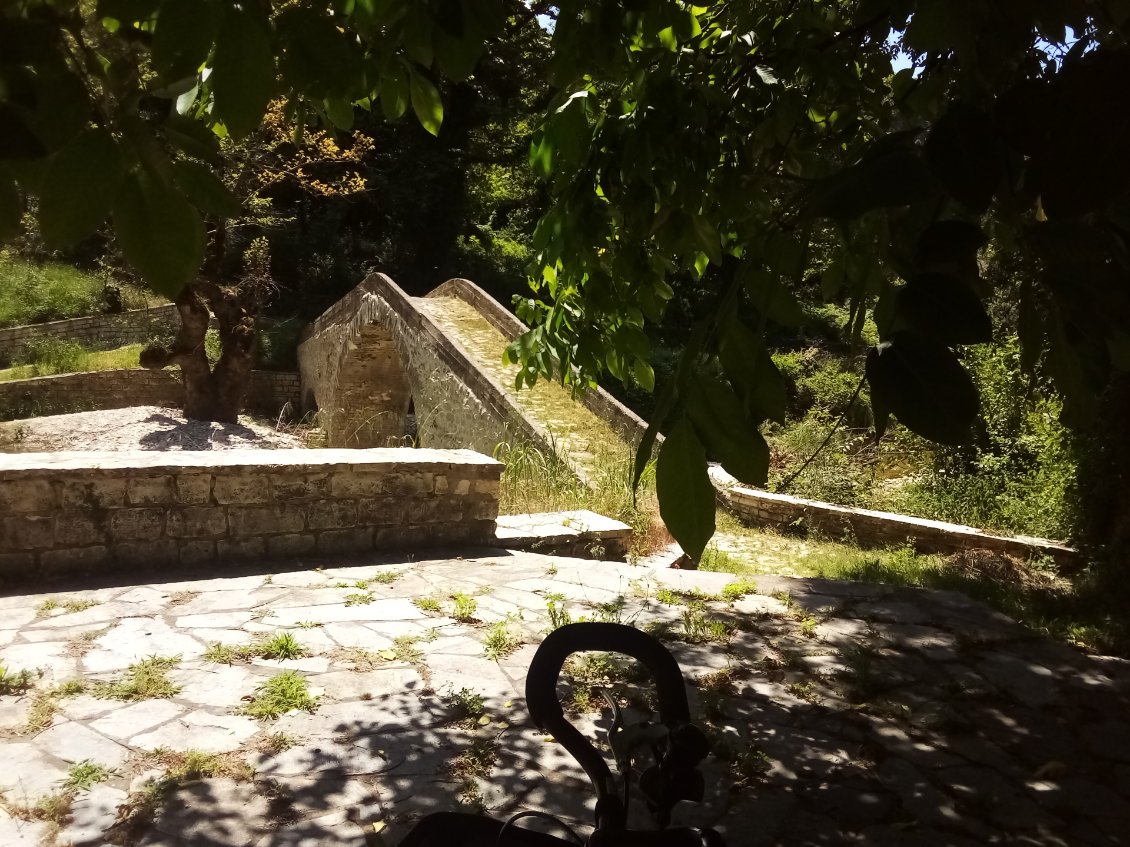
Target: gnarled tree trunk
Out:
[212,393]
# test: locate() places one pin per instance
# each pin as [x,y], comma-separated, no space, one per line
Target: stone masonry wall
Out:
[76,513]
[358,396]
[883,529]
[95,332]
[268,392]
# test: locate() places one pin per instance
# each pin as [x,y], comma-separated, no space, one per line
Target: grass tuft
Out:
[144,680]
[85,775]
[280,694]
[501,640]
[464,608]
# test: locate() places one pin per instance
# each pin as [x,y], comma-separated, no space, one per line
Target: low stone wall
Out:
[884,529]
[268,392]
[73,513]
[95,332]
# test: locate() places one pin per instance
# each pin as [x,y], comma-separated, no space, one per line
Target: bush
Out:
[35,293]
[54,356]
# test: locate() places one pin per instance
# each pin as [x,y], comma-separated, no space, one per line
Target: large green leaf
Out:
[205,190]
[79,188]
[183,37]
[243,72]
[17,141]
[941,306]
[751,370]
[922,383]
[159,232]
[426,103]
[893,175]
[193,137]
[964,152]
[394,92]
[686,496]
[727,431]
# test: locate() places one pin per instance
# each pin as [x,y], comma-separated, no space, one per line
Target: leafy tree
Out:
[715,142]
[130,110]
[721,141]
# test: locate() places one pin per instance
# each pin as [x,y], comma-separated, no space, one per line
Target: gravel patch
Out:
[137,428]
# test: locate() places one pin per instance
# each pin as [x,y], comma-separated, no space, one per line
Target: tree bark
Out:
[210,393]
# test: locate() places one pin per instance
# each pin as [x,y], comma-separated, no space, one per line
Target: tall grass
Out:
[34,293]
[539,481]
[48,356]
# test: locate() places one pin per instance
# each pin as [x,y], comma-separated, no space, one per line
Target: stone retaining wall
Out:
[268,392]
[74,513]
[884,529]
[95,332]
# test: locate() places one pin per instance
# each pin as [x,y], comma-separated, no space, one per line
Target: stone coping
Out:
[581,532]
[14,465]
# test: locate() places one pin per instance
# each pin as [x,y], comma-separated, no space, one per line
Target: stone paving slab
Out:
[838,713]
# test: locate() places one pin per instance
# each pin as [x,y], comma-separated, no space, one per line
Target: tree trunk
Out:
[210,393]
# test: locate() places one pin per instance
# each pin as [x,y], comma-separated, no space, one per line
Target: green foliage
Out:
[738,589]
[144,680]
[33,293]
[428,604]
[501,640]
[282,645]
[280,694]
[15,682]
[84,775]
[464,606]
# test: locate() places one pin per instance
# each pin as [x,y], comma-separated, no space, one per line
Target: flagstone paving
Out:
[839,713]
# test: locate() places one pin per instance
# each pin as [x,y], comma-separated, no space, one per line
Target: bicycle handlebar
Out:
[547,714]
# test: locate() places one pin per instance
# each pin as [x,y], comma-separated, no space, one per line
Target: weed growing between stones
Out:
[52,809]
[804,691]
[476,762]
[81,645]
[282,645]
[555,609]
[179,598]
[385,577]
[144,680]
[430,605]
[467,707]
[17,682]
[734,591]
[199,764]
[85,775]
[464,608]
[501,640]
[699,629]
[808,626]
[45,704]
[308,624]
[52,604]
[359,598]
[280,694]
[276,742]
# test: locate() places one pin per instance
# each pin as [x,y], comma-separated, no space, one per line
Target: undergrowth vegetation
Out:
[536,480]
[47,356]
[1017,476]
[32,292]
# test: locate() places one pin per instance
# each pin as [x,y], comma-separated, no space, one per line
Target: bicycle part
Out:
[675,777]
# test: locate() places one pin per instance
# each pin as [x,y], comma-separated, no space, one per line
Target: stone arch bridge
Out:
[378,353]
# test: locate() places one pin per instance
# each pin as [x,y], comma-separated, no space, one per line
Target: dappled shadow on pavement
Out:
[838,713]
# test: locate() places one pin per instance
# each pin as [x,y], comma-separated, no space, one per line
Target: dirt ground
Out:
[137,428]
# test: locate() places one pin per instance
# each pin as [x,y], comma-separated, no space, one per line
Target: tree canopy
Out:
[873,149]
